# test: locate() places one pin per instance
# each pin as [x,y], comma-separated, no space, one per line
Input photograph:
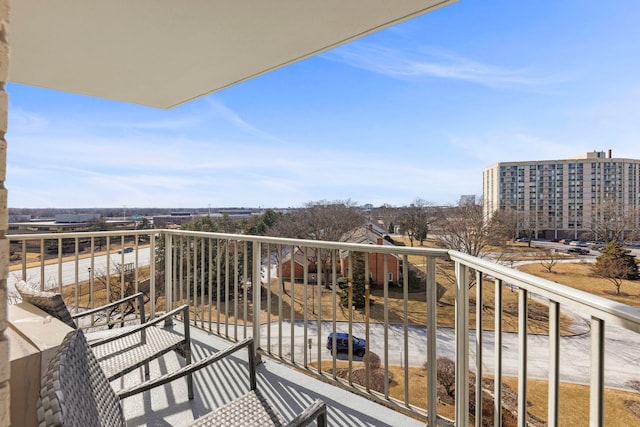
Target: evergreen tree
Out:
[615,251]
[358,284]
[195,256]
[616,264]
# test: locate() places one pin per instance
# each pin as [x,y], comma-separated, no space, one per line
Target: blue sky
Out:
[414,111]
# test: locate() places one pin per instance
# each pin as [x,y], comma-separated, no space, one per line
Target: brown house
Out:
[374,235]
[368,235]
[297,264]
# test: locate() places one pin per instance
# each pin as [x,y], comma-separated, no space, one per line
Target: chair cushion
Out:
[250,410]
[49,302]
[125,354]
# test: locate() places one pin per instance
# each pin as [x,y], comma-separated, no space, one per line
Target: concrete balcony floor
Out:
[287,389]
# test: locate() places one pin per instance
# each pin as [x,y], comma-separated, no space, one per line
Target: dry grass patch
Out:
[417,384]
[579,276]
[620,407]
[574,403]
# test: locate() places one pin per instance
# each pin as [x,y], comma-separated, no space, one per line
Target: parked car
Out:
[126,250]
[579,251]
[342,343]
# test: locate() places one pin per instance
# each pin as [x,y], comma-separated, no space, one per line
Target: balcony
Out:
[575,338]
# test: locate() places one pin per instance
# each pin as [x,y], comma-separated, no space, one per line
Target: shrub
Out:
[446,374]
[373,360]
[376,378]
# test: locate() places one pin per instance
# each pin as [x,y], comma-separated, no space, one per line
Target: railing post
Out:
[24,260]
[497,355]
[554,363]
[405,306]
[257,297]
[168,276]
[523,314]
[596,416]
[152,275]
[479,373]
[462,344]
[432,295]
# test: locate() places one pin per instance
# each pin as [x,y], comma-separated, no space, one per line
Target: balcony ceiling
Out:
[165,53]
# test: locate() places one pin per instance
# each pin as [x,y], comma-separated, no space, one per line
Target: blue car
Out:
[342,343]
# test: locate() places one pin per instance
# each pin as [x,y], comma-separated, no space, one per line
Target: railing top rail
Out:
[593,305]
[359,247]
[72,235]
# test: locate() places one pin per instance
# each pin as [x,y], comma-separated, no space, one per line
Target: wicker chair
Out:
[120,350]
[75,392]
[53,304]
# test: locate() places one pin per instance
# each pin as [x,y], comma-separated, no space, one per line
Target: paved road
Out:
[622,361]
[69,271]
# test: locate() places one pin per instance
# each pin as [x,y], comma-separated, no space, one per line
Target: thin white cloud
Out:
[161,124]
[513,147]
[221,110]
[399,63]
[22,120]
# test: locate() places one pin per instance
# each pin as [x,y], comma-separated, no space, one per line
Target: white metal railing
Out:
[600,310]
[238,285]
[57,261]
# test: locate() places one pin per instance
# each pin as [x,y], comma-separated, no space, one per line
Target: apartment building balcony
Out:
[235,287]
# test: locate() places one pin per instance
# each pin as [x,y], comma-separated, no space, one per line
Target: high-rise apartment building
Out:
[571,198]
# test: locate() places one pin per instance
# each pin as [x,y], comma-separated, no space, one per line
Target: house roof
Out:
[164,53]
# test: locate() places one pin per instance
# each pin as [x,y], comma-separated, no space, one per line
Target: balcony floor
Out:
[287,389]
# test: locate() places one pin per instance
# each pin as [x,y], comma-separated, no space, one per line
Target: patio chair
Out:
[75,392]
[122,350]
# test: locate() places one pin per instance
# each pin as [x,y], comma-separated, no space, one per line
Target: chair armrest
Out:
[317,410]
[191,368]
[142,327]
[139,296]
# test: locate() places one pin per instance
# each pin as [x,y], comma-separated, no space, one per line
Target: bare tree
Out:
[610,220]
[614,270]
[550,261]
[123,283]
[416,219]
[324,220]
[528,225]
[465,228]
[386,216]
[505,224]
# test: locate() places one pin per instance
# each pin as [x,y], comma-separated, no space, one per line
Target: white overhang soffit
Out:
[163,53]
